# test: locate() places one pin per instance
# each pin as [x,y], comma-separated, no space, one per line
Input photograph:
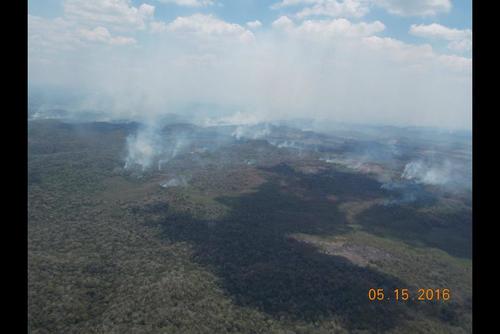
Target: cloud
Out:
[157,26]
[254,24]
[341,27]
[457,63]
[348,8]
[331,8]
[283,22]
[209,26]
[400,51]
[415,7]
[435,30]
[418,55]
[460,39]
[359,8]
[201,66]
[287,3]
[190,3]
[116,14]
[329,28]
[51,35]
[98,34]
[101,34]
[84,23]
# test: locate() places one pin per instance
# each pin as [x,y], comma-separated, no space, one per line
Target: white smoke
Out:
[238,118]
[150,147]
[422,172]
[252,131]
[286,144]
[142,149]
[362,165]
[180,181]
[404,192]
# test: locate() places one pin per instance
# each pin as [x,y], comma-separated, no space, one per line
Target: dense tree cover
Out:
[110,253]
[259,266]
[451,232]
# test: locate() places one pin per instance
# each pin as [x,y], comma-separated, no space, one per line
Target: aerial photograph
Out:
[249,166]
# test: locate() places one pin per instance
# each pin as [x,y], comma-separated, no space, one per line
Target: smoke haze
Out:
[207,69]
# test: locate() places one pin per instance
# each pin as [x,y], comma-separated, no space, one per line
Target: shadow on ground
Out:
[261,267]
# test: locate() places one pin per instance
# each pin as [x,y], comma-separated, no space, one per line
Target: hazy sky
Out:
[402,62]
